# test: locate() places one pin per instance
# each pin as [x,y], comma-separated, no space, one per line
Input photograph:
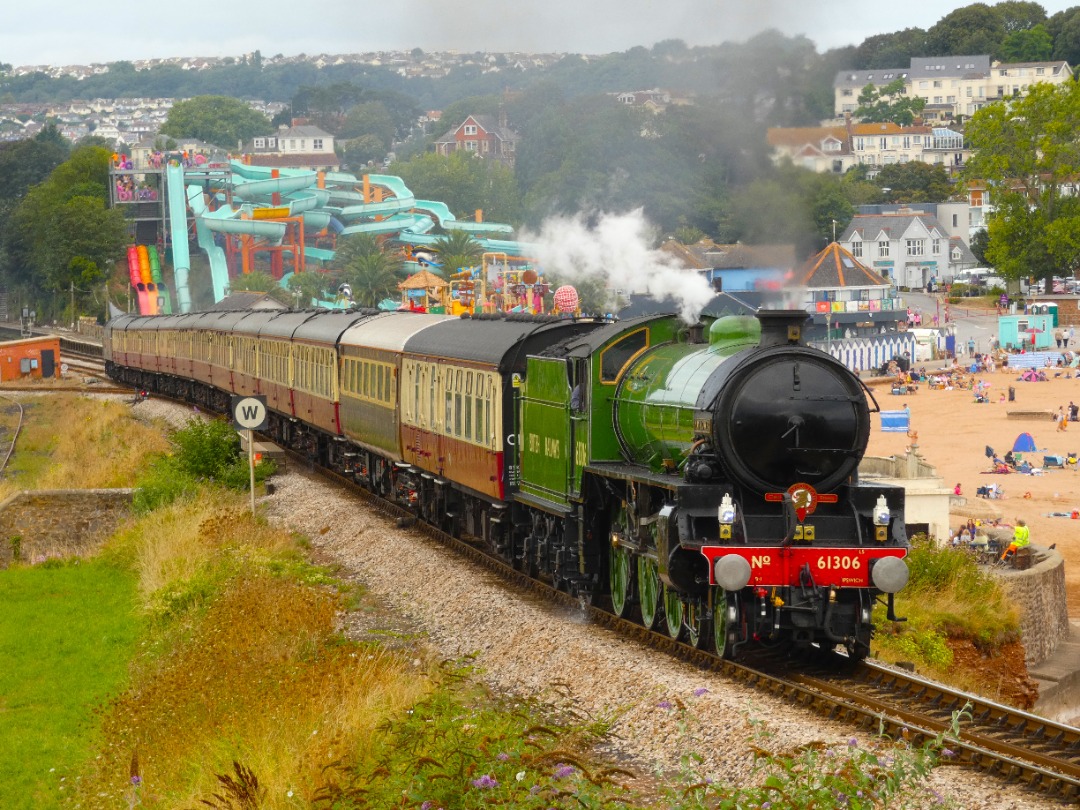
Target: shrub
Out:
[205,450]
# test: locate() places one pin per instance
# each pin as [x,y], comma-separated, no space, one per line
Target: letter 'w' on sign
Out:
[249,413]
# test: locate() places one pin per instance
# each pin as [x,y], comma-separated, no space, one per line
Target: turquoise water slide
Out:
[174,190]
[219,268]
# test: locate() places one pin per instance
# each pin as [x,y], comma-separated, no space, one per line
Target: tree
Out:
[1028,45]
[890,50]
[976,28]
[466,184]
[457,250]
[369,269]
[216,119]
[914,181]
[1025,150]
[888,104]
[980,241]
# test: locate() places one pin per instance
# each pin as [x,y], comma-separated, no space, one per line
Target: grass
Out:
[67,633]
[70,440]
[948,596]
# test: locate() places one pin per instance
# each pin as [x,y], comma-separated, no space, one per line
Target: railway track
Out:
[998,740]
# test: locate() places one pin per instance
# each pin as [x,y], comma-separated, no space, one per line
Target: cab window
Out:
[614,358]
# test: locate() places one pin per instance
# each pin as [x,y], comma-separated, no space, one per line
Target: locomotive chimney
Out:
[695,333]
[780,327]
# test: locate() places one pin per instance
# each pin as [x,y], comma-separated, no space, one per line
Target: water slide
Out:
[164,300]
[340,208]
[177,200]
[146,300]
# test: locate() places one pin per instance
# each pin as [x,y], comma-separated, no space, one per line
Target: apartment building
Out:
[952,86]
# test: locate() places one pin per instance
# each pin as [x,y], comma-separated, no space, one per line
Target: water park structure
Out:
[244,217]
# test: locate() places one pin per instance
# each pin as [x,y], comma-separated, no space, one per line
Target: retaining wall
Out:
[1039,592]
[63,521]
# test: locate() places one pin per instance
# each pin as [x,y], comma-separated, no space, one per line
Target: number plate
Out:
[771,566]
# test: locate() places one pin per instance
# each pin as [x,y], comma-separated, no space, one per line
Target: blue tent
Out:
[1024,444]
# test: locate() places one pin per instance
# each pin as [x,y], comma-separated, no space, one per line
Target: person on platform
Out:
[1021,539]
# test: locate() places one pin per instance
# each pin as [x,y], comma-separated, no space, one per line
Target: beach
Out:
[952,433]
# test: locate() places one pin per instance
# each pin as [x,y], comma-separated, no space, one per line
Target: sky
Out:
[64,32]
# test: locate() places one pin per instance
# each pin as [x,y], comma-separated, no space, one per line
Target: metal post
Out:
[251,467]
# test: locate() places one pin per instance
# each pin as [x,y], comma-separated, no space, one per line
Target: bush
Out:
[206,451]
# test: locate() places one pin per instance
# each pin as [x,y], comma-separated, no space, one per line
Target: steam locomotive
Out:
[701,480]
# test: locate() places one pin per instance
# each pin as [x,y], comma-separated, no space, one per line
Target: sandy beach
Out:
[953,431]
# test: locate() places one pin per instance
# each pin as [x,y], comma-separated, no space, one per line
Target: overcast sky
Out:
[61,32]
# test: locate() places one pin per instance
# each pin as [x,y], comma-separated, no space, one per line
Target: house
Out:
[846,296]
[737,267]
[300,146]
[483,136]
[907,247]
[819,149]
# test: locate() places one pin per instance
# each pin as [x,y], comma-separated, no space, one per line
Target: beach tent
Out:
[1024,444]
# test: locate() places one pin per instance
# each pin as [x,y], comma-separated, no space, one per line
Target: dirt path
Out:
[953,432]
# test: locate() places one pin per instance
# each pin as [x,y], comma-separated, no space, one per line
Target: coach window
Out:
[430,382]
[468,406]
[448,405]
[616,357]
[458,386]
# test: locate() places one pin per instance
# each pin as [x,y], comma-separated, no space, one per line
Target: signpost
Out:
[249,415]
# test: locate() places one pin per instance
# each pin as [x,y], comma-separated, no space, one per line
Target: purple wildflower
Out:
[853,743]
[701,690]
[564,771]
[426,805]
[502,756]
[948,752]
[664,704]
[136,780]
[485,781]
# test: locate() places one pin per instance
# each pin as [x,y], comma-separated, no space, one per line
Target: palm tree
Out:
[372,278]
[370,270]
[457,249]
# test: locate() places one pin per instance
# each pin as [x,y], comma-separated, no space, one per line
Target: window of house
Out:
[935,247]
[860,144]
[470,146]
[317,144]
[856,249]
[271,143]
[470,129]
[907,141]
[846,92]
[937,99]
[923,85]
[1040,71]
[917,140]
[883,143]
[914,247]
[292,144]
[956,254]
[937,83]
[260,143]
[883,250]
[303,145]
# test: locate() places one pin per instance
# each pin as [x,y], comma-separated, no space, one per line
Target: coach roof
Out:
[500,342]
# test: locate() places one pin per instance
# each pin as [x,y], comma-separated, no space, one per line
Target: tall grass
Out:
[948,596]
[67,631]
[69,440]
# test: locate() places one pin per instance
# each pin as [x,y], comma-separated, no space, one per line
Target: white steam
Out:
[614,249]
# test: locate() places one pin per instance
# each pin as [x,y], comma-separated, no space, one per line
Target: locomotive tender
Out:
[703,480]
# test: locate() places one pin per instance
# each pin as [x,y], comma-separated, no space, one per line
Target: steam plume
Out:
[615,249]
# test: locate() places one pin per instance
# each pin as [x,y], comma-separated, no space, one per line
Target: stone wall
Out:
[59,522]
[1039,592]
